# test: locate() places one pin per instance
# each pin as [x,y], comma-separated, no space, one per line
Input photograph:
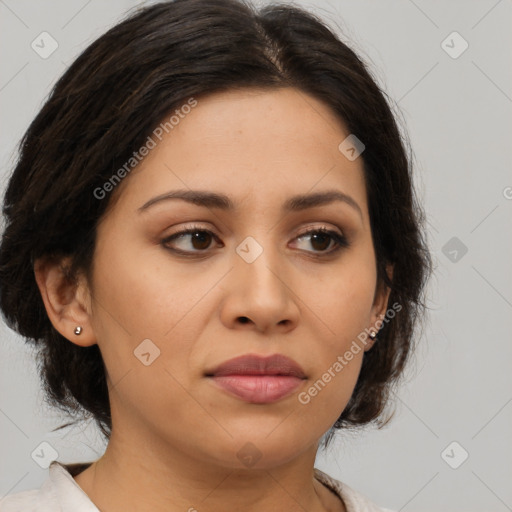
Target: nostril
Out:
[243,319]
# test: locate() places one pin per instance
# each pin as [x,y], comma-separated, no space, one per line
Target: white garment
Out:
[60,493]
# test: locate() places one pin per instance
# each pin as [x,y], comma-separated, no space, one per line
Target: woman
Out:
[212,236]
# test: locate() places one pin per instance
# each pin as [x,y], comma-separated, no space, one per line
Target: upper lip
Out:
[252,364]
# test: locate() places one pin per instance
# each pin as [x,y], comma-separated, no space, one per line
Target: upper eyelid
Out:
[307,230]
[313,229]
[192,229]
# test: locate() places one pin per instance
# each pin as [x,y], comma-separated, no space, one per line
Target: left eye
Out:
[323,240]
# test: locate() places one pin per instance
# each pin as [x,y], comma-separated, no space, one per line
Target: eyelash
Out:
[340,240]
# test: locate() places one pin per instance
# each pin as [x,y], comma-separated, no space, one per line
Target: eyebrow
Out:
[222,202]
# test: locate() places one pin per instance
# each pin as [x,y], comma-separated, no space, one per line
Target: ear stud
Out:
[78,330]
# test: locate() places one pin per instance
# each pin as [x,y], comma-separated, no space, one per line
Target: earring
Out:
[78,330]
[373,335]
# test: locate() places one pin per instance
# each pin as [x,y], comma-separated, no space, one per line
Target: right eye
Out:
[191,241]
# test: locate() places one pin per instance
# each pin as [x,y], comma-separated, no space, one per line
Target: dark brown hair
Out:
[106,105]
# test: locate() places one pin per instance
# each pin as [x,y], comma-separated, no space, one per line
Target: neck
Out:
[142,478]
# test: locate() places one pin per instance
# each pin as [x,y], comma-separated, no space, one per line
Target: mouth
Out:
[256,379]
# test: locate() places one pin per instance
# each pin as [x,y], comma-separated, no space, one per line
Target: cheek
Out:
[141,292]
[344,311]
[143,306]
[343,302]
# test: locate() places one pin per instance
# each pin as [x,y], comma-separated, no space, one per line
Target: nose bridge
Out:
[258,290]
[259,264]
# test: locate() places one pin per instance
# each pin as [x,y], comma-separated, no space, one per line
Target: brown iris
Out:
[320,241]
[201,240]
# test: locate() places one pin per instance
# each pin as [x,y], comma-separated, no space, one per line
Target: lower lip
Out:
[259,389]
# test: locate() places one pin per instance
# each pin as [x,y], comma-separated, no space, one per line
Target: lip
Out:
[258,379]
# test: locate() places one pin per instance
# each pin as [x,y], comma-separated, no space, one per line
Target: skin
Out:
[175,435]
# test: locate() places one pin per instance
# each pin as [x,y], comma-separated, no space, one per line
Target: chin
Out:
[260,451]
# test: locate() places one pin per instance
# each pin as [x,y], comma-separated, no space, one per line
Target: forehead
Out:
[253,145]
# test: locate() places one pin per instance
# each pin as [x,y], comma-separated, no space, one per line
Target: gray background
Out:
[458,114]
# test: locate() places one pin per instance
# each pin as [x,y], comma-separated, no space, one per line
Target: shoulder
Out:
[27,501]
[353,500]
[59,493]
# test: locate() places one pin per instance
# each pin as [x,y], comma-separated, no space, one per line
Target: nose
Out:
[258,296]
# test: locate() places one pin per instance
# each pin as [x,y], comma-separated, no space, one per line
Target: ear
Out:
[67,300]
[379,307]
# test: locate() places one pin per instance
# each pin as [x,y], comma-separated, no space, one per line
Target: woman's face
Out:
[254,277]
